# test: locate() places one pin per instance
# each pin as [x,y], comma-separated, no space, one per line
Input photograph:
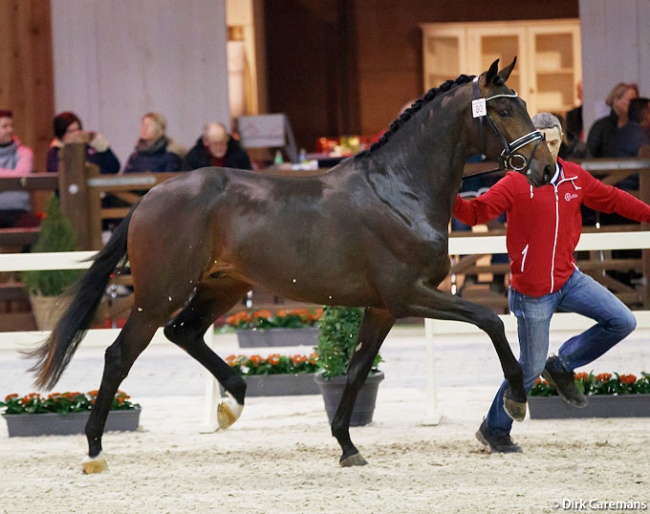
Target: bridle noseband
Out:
[509,157]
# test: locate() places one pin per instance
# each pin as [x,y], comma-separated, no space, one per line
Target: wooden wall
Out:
[26,81]
[347,66]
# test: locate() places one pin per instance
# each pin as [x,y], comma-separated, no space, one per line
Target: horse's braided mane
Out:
[415,107]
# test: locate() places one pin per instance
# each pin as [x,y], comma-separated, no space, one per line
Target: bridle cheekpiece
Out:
[509,158]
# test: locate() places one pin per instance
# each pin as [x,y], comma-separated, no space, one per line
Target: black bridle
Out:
[509,158]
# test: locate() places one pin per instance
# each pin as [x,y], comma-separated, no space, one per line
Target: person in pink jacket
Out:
[543,229]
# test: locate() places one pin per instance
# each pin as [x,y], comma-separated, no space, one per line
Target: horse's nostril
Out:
[548,173]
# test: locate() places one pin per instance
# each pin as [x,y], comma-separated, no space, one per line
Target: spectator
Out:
[600,136]
[154,150]
[15,206]
[216,148]
[68,129]
[574,124]
[629,139]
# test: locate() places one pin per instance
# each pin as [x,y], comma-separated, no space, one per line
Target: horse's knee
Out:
[491,323]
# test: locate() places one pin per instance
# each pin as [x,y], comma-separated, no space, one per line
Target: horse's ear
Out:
[505,72]
[492,72]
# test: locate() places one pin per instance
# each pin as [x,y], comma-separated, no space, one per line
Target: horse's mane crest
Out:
[415,107]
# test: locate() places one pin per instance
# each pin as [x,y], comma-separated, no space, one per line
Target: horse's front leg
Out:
[375,326]
[430,302]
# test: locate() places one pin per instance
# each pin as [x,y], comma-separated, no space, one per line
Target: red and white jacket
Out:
[544,224]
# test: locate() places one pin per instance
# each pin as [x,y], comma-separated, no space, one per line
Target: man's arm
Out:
[486,207]
[606,198]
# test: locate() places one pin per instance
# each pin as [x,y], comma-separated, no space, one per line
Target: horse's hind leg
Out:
[118,360]
[212,299]
[430,302]
[374,328]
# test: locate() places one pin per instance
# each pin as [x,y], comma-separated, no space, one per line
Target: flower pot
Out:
[605,406]
[255,338]
[51,423]
[47,310]
[364,407]
[280,385]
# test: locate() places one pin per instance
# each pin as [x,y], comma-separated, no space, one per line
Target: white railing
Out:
[457,246]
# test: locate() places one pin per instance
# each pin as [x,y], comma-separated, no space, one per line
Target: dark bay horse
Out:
[370,232]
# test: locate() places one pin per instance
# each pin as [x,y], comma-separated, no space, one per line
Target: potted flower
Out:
[609,395]
[282,328]
[64,413]
[276,375]
[45,287]
[339,327]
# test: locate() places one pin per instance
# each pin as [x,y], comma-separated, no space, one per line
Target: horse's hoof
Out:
[516,410]
[91,465]
[228,411]
[353,460]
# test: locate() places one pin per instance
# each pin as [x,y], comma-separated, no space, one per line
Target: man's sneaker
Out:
[564,381]
[496,443]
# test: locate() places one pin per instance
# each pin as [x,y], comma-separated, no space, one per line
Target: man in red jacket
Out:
[544,226]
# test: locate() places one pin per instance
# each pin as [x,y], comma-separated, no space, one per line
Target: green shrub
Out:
[57,235]
[339,327]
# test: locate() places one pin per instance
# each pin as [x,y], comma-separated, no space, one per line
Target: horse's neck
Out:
[430,156]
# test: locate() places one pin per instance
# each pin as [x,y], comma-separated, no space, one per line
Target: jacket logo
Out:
[568,196]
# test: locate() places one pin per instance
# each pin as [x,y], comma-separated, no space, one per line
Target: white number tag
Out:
[479,108]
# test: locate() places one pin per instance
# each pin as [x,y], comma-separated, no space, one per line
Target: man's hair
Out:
[5,113]
[546,120]
[637,108]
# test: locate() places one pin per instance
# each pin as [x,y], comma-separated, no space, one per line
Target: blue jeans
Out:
[580,294]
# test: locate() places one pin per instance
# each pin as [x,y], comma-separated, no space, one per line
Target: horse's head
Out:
[511,137]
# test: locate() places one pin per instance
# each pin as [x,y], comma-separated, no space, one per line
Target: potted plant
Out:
[609,395]
[282,328]
[339,327]
[64,413]
[276,375]
[45,287]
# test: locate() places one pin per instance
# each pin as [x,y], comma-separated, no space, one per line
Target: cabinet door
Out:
[444,52]
[504,43]
[556,52]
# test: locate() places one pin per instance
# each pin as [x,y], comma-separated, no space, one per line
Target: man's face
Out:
[216,145]
[553,140]
[6,130]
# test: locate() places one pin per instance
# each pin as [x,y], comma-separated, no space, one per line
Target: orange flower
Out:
[582,376]
[274,359]
[255,360]
[298,359]
[11,396]
[627,379]
[603,377]
[262,314]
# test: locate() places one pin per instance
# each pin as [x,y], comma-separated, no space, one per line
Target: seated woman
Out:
[68,129]
[154,150]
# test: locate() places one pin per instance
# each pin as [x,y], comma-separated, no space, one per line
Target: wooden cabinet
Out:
[548,54]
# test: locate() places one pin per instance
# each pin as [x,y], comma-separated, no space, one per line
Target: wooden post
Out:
[74,191]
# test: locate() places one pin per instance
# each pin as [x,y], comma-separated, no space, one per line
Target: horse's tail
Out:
[56,352]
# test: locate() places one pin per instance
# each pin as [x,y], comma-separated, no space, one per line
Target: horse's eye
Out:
[504,113]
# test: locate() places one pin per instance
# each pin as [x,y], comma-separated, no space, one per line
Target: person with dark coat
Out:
[154,151]
[68,129]
[603,130]
[216,148]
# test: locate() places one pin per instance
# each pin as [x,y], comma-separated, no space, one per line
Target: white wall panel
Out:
[115,60]
[615,48]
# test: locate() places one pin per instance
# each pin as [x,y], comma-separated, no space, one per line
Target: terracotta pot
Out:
[47,310]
